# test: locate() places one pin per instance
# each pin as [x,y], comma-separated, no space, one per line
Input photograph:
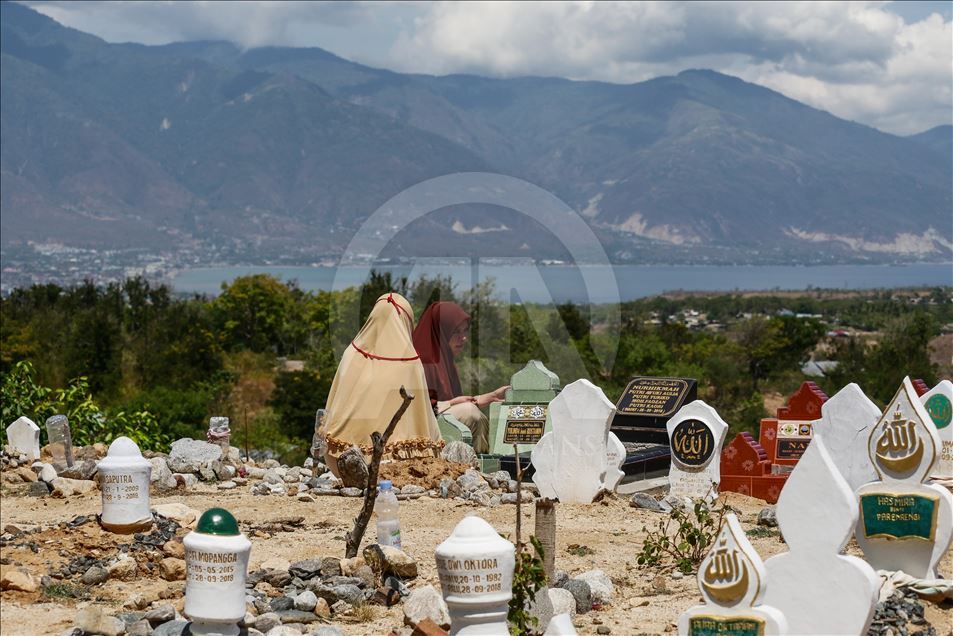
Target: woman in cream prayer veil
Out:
[365,393]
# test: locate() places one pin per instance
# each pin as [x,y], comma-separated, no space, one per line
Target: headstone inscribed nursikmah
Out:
[905,524]
[696,434]
[817,513]
[732,581]
[939,405]
[846,421]
[647,403]
[23,436]
[570,461]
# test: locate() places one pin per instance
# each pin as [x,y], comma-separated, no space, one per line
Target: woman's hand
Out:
[460,399]
[494,396]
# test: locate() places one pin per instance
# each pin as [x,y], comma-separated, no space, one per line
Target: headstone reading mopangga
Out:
[570,461]
[523,416]
[475,565]
[23,436]
[696,434]
[732,581]
[905,524]
[817,513]
[939,405]
[646,405]
[845,425]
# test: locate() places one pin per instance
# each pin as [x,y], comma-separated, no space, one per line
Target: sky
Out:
[885,64]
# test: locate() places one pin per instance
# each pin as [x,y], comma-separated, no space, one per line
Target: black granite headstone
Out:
[647,404]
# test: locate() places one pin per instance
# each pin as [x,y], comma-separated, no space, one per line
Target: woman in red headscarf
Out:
[440,335]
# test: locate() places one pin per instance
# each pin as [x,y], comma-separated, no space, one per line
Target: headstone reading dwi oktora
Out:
[905,524]
[845,425]
[939,405]
[817,513]
[23,436]
[571,460]
[696,434]
[732,581]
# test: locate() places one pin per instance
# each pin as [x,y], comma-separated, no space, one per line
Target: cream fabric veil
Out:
[365,392]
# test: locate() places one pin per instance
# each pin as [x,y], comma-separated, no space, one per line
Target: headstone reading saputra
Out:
[23,436]
[939,405]
[732,581]
[696,434]
[905,524]
[124,480]
[570,461]
[817,513]
[846,421]
[475,565]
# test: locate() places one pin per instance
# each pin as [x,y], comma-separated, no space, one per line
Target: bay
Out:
[528,282]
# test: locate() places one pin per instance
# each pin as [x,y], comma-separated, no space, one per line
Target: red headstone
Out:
[920,387]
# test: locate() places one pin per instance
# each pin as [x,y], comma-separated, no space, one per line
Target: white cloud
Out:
[883,64]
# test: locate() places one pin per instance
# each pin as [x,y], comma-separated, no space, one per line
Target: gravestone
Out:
[939,405]
[23,436]
[523,416]
[745,469]
[475,565]
[846,421]
[646,405]
[786,436]
[60,438]
[817,513]
[732,580]
[570,460]
[319,445]
[905,524]
[696,435]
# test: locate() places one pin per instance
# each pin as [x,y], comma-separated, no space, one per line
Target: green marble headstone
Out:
[720,626]
[896,516]
[523,416]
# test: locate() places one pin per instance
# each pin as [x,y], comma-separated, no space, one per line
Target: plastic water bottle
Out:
[388,519]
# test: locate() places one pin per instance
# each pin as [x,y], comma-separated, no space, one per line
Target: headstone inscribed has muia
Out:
[696,434]
[732,581]
[570,460]
[23,436]
[846,422]
[905,524]
[817,513]
[939,406]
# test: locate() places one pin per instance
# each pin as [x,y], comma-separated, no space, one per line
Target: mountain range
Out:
[285,151]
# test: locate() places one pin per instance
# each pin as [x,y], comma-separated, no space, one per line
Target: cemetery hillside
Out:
[446,318]
[620,553]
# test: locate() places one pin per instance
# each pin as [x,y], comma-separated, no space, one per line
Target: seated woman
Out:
[365,392]
[440,336]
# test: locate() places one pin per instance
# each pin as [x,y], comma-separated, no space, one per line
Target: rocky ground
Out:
[60,569]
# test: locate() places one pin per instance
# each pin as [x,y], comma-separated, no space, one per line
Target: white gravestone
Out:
[939,405]
[905,524]
[24,437]
[124,480]
[817,513]
[846,421]
[615,455]
[696,434]
[570,460]
[475,565]
[732,581]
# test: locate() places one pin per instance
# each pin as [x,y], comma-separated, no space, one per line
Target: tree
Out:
[296,398]
[252,313]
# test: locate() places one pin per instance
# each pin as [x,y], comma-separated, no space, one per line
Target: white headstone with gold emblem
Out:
[817,513]
[732,581]
[696,434]
[939,405]
[905,524]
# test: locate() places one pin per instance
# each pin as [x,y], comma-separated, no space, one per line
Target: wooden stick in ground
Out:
[379,441]
[546,533]
[519,498]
